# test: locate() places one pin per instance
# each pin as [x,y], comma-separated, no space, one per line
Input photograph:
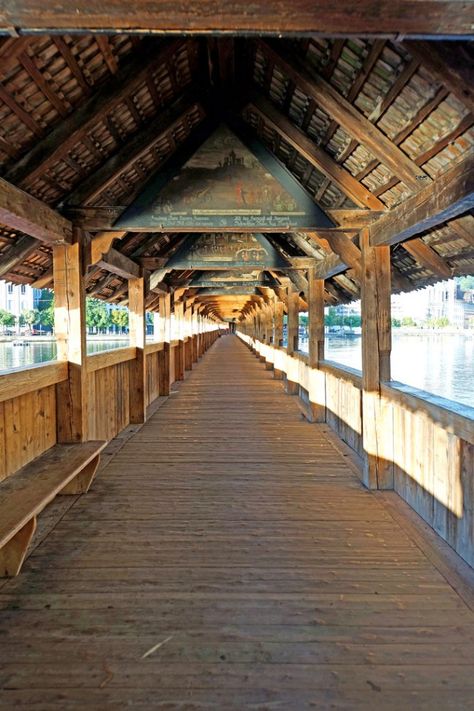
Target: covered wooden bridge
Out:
[176,531]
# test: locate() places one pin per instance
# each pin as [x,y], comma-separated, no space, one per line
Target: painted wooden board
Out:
[227,251]
[225,181]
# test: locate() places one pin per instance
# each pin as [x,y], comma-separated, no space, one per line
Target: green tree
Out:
[97,315]
[29,318]
[6,319]
[119,318]
[408,321]
[396,323]
[466,282]
[45,313]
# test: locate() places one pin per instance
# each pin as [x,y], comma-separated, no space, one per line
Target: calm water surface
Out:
[15,356]
[442,364]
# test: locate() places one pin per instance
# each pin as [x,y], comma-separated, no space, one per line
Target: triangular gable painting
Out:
[227,251]
[223,185]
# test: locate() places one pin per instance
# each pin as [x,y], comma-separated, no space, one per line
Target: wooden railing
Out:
[426,442]
[29,402]
[28,413]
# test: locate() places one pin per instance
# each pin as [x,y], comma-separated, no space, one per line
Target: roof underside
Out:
[361,124]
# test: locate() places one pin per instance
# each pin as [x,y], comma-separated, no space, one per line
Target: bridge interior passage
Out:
[228,556]
[239,546]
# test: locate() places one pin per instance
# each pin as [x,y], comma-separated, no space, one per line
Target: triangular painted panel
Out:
[224,184]
[227,251]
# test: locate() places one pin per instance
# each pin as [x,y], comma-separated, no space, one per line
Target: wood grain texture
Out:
[428,18]
[426,443]
[230,536]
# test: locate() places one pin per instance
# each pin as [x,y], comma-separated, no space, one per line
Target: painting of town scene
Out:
[229,276]
[224,250]
[225,185]
[223,178]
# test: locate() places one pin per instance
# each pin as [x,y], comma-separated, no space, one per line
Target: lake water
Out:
[442,364]
[15,356]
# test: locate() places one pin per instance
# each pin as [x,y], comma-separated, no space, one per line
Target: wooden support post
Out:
[278,323]
[291,387]
[179,350]
[70,331]
[316,343]
[164,336]
[269,332]
[376,347]
[137,331]
[278,314]
[315,319]
[187,336]
[194,333]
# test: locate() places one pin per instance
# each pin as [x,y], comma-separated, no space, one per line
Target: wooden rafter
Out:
[117,263]
[74,128]
[350,118]
[19,251]
[24,213]
[90,188]
[452,194]
[447,64]
[315,155]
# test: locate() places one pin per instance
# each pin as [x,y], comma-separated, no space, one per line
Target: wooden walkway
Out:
[228,558]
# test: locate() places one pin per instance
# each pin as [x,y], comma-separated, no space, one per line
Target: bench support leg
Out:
[13,553]
[81,483]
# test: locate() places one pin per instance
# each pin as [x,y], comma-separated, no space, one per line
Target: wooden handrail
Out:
[452,416]
[29,378]
[154,347]
[105,359]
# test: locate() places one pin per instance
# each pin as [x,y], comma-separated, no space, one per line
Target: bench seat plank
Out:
[26,493]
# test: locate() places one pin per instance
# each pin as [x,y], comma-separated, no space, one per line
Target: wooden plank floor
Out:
[228,558]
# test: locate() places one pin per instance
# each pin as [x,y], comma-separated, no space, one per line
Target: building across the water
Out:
[17,299]
[444,301]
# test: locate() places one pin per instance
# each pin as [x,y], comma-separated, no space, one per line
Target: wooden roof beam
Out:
[446,64]
[119,264]
[350,118]
[128,154]
[61,139]
[388,18]
[19,251]
[450,195]
[25,213]
[428,258]
[315,155]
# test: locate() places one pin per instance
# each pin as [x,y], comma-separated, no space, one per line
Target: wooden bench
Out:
[63,469]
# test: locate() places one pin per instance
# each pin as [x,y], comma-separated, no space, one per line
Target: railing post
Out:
[165,337]
[179,350]
[137,331]
[376,347]
[70,331]
[278,323]
[187,337]
[291,387]
[316,345]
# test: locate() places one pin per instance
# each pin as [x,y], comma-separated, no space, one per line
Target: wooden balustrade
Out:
[28,414]
[31,398]
[426,443]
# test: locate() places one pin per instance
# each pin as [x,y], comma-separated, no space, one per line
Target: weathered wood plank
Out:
[390,18]
[25,213]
